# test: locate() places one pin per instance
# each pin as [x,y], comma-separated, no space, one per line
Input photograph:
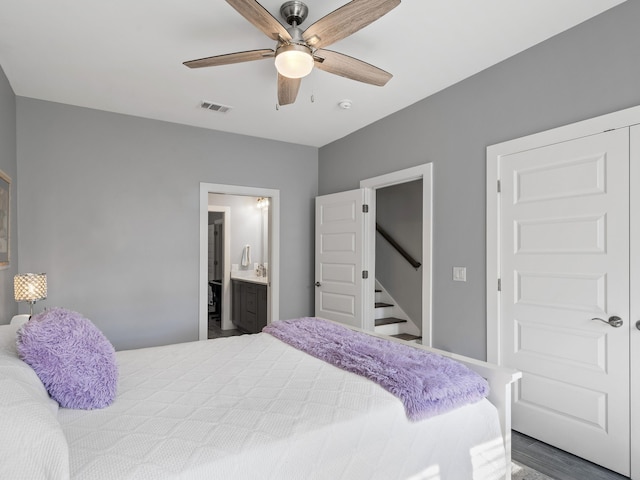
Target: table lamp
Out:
[30,287]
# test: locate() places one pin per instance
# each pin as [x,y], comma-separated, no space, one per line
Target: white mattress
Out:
[252,407]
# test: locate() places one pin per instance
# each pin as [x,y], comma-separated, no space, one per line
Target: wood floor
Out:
[555,463]
[215,331]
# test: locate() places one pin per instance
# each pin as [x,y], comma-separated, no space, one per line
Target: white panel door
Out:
[634,326]
[340,258]
[564,234]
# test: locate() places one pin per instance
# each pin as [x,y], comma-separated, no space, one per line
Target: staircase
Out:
[391,320]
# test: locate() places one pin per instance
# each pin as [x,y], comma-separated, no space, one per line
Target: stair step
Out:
[383,304]
[388,321]
[407,336]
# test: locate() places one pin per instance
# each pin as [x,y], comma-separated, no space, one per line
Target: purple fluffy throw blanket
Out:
[427,384]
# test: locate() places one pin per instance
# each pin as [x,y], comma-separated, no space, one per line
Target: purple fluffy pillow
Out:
[74,360]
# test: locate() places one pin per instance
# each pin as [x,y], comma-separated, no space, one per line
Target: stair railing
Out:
[414,263]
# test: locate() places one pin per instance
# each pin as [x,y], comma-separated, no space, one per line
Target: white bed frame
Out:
[500,383]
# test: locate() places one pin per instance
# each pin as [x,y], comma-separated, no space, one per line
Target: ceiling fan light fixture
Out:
[298,51]
[294,60]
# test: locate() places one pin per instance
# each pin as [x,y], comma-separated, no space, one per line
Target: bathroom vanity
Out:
[249,303]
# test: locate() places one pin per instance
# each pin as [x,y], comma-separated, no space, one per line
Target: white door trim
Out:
[621,119]
[273,296]
[424,172]
[225,317]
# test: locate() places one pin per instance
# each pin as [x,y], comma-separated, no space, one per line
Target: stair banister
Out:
[414,263]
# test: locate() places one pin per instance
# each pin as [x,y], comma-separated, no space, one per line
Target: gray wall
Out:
[8,307]
[399,212]
[590,70]
[111,212]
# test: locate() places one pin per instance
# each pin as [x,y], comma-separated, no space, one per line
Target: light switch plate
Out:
[459,274]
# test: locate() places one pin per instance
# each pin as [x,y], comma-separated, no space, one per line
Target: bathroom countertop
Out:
[249,276]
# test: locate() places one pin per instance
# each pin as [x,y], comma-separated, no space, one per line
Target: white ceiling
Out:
[126,56]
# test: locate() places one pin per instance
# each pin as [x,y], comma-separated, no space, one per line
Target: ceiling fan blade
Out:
[260,18]
[287,89]
[346,20]
[349,67]
[230,58]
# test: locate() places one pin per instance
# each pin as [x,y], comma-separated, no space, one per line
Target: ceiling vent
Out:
[216,107]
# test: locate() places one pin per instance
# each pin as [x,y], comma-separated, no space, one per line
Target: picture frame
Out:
[5,219]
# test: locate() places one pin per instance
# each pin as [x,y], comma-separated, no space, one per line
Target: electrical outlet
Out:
[459,274]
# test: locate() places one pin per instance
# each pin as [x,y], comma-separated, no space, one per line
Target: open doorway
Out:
[241,224]
[398,260]
[422,173]
[261,245]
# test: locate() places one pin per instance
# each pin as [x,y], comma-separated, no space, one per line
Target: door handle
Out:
[614,321]
[638,324]
[317,284]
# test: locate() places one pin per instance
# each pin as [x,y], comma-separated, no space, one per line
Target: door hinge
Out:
[365,273]
[365,208]
[499,285]
[499,186]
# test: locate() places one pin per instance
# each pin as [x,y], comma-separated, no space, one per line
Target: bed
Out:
[245,407]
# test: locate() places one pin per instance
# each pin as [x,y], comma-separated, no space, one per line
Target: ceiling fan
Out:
[298,51]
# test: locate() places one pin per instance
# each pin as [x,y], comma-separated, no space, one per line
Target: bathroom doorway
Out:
[241,223]
[249,225]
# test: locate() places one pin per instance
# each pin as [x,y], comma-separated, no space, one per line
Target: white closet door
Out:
[564,213]
[634,177]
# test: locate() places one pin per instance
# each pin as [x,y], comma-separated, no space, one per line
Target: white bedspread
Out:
[252,407]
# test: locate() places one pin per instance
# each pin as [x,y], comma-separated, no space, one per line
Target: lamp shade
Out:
[30,287]
[294,61]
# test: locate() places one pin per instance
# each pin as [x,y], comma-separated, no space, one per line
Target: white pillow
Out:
[10,362]
[8,339]
[32,443]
